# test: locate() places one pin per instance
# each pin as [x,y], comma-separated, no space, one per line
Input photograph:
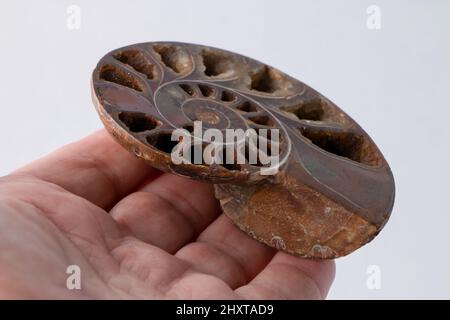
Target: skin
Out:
[135,233]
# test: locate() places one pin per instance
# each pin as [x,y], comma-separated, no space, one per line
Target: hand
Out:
[135,233]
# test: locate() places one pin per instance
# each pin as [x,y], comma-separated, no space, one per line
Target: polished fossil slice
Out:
[333,190]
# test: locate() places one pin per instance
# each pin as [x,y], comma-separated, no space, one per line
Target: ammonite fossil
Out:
[332,191]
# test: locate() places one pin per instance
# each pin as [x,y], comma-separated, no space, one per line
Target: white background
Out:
[394,81]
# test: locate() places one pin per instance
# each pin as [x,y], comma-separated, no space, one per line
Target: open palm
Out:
[134,232]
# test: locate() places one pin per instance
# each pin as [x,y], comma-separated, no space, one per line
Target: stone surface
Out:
[334,190]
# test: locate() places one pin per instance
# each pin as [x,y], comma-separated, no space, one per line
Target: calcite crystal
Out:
[333,190]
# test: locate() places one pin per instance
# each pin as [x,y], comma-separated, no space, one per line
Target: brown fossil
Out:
[333,191]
